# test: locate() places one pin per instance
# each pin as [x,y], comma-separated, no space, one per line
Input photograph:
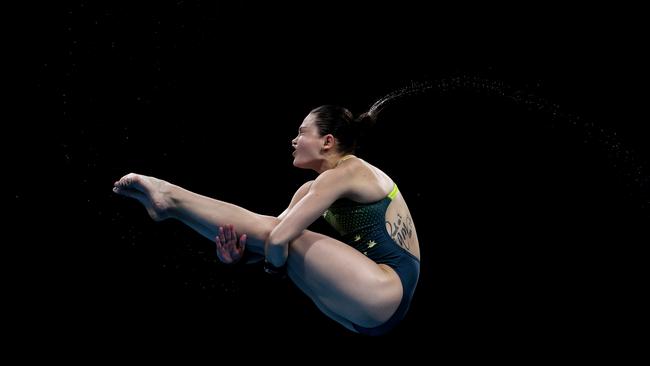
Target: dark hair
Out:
[346,128]
[341,123]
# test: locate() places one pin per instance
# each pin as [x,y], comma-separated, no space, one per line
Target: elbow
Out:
[277,250]
[274,242]
[277,237]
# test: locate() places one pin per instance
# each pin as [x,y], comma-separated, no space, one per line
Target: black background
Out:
[530,223]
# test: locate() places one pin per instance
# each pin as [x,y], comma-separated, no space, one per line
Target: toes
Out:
[130,180]
[131,193]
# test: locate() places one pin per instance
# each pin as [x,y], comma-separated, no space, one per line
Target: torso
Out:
[370,184]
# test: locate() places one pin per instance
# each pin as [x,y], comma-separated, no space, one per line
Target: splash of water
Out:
[620,157]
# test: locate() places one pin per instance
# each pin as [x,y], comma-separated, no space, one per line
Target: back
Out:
[370,184]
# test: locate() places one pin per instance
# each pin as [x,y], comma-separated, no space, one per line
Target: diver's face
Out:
[308,144]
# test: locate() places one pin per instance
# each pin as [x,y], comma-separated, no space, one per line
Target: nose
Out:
[293,142]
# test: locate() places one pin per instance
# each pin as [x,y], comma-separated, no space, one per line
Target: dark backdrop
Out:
[523,167]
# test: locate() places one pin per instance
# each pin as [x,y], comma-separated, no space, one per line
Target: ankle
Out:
[171,197]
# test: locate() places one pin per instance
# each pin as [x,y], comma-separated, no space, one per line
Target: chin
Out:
[299,164]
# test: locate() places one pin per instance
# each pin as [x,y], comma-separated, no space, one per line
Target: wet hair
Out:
[343,125]
[348,129]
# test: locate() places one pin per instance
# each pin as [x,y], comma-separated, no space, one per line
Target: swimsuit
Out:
[363,227]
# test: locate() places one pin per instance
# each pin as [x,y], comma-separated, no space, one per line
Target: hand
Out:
[229,250]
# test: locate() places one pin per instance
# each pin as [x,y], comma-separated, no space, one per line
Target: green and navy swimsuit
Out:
[363,226]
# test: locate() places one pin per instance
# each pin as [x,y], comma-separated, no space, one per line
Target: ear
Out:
[328,142]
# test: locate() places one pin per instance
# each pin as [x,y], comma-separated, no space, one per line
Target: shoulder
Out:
[332,177]
[306,186]
[302,191]
[334,183]
[366,182]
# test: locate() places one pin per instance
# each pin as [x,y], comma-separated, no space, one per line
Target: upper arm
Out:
[327,188]
[300,193]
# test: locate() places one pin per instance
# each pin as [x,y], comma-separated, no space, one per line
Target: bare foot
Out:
[153,193]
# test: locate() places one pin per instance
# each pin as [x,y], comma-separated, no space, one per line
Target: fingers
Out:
[237,245]
[229,249]
[234,233]
[222,253]
[221,235]
[229,244]
[228,232]
[219,248]
[242,242]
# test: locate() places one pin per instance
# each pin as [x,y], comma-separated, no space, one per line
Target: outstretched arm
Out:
[300,193]
[327,188]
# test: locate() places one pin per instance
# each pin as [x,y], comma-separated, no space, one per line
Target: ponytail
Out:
[348,130]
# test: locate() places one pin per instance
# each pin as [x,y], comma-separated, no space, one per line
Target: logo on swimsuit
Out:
[371,244]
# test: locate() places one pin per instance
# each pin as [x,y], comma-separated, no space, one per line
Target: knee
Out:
[268,224]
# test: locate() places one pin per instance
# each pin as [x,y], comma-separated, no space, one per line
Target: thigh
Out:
[343,280]
[324,309]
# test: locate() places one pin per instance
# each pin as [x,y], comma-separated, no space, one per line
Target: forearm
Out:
[277,253]
[277,245]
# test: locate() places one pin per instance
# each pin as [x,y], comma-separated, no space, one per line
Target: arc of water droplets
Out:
[621,158]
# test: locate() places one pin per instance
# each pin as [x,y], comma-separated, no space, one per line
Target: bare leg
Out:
[163,200]
[344,284]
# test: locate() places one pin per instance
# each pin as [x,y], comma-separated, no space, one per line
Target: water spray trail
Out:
[620,157]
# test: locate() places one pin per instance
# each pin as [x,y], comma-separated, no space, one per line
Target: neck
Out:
[333,162]
[342,159]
